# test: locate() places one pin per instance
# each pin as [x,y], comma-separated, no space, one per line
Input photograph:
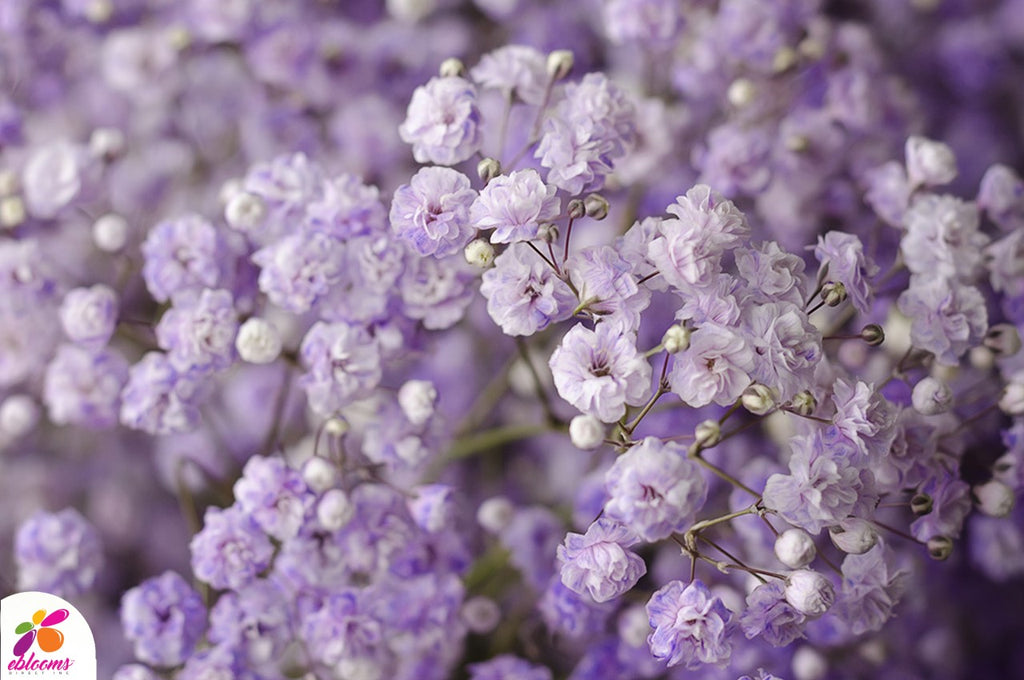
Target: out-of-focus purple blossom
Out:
[257,618]
[159,399]
[517,70]
[870,589]
[769,617]
[58,553]
[343,364]
[443,122]
[230,550]
[84,388]
[436,292]
[164,619]
[198,331]
[52,178]
[947,317]
[514,206]
[532,537]
[1001,196]
[346,208]
[888,192]
[951,503]
[942,237]
[299,270]
[89,315]
[183,254]
[274,496]
[524,295]
[341,632]
[507,667]
[569,612]
[691,626]
[736,160]
[598,562]
[648,23]
[431,213]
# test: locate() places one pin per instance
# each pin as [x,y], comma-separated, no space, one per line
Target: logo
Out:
[43,637]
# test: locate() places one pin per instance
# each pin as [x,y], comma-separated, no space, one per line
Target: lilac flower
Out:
[690,626]
[221,661]
[716,367]
[183,254]
[436,292]
[948,318]
[83,388]
[341,632]
[135,671]
[773,274]
[523,293]
[768,616]
[274,496]
[654,489]
[1001,196]
[532,538]
[159,399]
[888,192]
[507,667]
[576,615]
[52,178]
[929,162]
[848,265]
[230,550]
[606,281]
[164,619]
[870,590]
[787,348]
[600,371]
[89,315]
[864,417]
[343,364]
[442,122]
[942,237]
[431,213]
[284,186]
[257,618]
[346,208]
[198,331]
[514,205]
[598,562]
[517,70]
[57,553]
[736,159]
[648,23]
[299,269]
[951,503]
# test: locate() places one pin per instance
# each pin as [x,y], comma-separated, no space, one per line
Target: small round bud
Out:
[981,358]
[741,93]
[784,59]
[1012,401]
[12,212]
[853,536]
[758,399]
[804,403]
[576,208]
[18,415]
[872,334]
[707,434]
[795,548]
[495,513]
[336,427]
[676,339]
[334,510]
[833,293]
[99,11]
[106,143]
[809,664]
[559,64]
[487,169]
[258,341]
[931,396]
[417,398]
[929,162]
[480,614]
[547,232]
[479,253]
[809,592]
[797,143]
[9,183]
[586,432]
[596,206]
[245,211]
[320,474]
[110,233]
[994,498]
[1003,339]
[939,548]
[921,504]
[452,67]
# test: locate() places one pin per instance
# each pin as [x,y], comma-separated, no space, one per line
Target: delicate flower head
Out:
[607,282]
[198,331]
[183,254]
[514,205]
[164,618]
[715,368]
[947,317]
[343,364]
[84,388]
[274,495]
[524,295]
[57,553]
[517,69]
[442,122]
[598,562]
[230,550]
[691,626]
[431,213]
[942,237]
[848,265]
[158,398]
[89,315]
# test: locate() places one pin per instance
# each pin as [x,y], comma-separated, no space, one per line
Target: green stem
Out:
[471,445]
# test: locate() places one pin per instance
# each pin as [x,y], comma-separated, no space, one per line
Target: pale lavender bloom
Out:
[257,619]
[691,626]
[507,667]
[600,371]
[716,367]
[158,399]
[888,192]
[516,69]
[1004,260]
[607,283]
[598,563]
[432,212]
[654,489]
[716,302]
[182,254]
[632,247]
[433,506]
[870,589]
[343,364]
[84,388]
[947,317]
[532,538]
[951,503]
[436,292]
[864,417]
[135,671]
[1001,196]
[343,631]
[369,268]
[848,265]
[285,186]
[57,553]
[346,208]
[164,619]
[274,496]
[942,237]
[929,162]
[230,550]
[219,20]
[222,661]
[648,23]
[514,205]
[566,611]
[52,178]
[89,315]
[442,122]
[769,617]
[737,160]
[29,282]
[298,270]
[773,274]
[996,547]
[198,332]
[523,293]
[787,348]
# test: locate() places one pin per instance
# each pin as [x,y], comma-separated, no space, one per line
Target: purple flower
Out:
[737,159]
[299,269]
[274,496]
[284,188]
[507,667]
[89,315]
[257,618]
[523,293]
[431,213]
[870,590]
[690,626]
[864,417]
[341,632]
[442,122]
[436,292]
[343,364]
[230,550]
[647,23]
[57,553]
[164,619]
[942,237]
[716,367]
[566,611]
[600,371]
[83,388]
[52,178]
[947,317]
[598,563]
[951,503]
[787,348]
[532,538]
[514,205]
[888,192]
[186,253]
[159,399]
[198,331]
[773,274]
[768,616]
[1001,196]
[606,282]
[847,264]
[346,208]
[654,489]
[516,69]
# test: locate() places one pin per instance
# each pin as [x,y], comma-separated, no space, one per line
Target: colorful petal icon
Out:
[38,617]
[23,628]
[22,645]
[50,639]
[55,618]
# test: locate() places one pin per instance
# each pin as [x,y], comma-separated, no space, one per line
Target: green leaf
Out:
[23,628]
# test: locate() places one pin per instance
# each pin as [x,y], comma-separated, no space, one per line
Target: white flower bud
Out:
[106,143]
[784,59]
[99,11]
[931,396]
[487,169]
[559,64]
[596,206]
[586,432]
[939,547]
[417,399]
[833,293]
[18,414]
[1012,401]
[495,513]
[797,143]
[809,664]
[336,427]
[480,614]
[741,93]
[758,399]
[707,434]
[320,474]
[479,253]
[258,341]
[1003,339]
[853,536]
[334,510]
[804,403]
[981,358]
[245,211]
[921,504]
[795,548]
[110,233]
[452,67]
[872,334]
[547,232]
[9,183]
[994,498]
[12,212]
[809,592]
[634,626]
[929,162]
[410,11]
[676,339]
